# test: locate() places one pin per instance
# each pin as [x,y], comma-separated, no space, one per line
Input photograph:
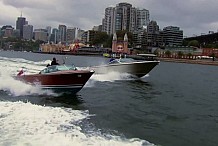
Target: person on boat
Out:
[54,62]
[111,60]
[20,72]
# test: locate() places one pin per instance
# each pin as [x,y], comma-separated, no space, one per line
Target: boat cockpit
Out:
[55,68]
[121,60]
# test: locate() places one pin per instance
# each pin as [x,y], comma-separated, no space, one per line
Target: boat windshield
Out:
[55,68]
[122,60]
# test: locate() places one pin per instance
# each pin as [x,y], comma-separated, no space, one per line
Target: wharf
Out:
[190,61]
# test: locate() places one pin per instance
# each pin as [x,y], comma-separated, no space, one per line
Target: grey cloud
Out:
[193,16]
[34,4]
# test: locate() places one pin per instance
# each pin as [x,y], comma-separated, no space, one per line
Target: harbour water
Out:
[175,105]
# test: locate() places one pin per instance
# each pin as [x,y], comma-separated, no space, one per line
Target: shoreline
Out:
[190,61]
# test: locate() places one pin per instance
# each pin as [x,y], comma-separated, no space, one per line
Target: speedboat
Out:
[127,65]
[58,77]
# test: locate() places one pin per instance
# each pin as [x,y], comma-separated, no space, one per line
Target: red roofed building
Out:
[120,46]
[209,52]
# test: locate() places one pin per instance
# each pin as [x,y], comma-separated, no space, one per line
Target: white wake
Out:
[34,125]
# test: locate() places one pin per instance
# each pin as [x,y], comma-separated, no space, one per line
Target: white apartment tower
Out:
[142,18]
[108,21]
[124,17]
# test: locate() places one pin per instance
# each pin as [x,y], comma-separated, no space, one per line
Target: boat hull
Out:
[138,69]
[71,81]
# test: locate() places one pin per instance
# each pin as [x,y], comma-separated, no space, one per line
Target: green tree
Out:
[194,43]
[168,53]
[18,45]
[180,54]
[100,38]
[108,42]
[189,55]
[185,42]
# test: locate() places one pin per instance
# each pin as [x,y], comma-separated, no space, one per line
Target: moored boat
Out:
[58,77]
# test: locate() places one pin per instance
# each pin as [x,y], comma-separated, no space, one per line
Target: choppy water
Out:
[175,105]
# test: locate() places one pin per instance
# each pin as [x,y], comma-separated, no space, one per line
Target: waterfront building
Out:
[122,16]
[48,28]
[7,31]
[108,20]
[173,36]
[152,34]
[120,46]
[142,18]
[28,32]
[79,33]
[139,39]
[160,39]
[21,21]
[41,34]
[62,30]
[210,52]
[54,48]
[54,36]
[71,34]
[174,51]
[88,36]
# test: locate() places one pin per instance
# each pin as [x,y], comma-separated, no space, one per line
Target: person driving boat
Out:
[54,62]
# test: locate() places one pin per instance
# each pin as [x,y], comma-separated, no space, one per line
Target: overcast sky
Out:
[192,16]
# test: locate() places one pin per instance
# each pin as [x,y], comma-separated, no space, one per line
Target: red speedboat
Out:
[58,77]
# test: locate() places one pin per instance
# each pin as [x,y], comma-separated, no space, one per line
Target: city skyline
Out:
[194,17]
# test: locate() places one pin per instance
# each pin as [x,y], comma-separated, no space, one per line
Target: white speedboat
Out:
[126,65]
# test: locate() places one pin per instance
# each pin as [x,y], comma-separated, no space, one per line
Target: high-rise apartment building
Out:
[71,34]
[79,33]
[48,28]
[124,17]
[62,29]
[21,21]
[142,18]
[108,21]
[28,32]
[54,36]
[152,34]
